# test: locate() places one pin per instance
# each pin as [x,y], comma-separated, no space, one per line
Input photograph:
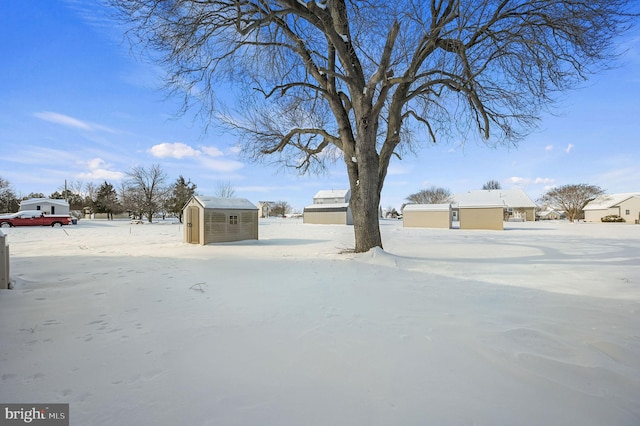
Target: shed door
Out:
[193,225]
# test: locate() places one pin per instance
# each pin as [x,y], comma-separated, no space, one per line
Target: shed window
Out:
[627,212]
[233,220]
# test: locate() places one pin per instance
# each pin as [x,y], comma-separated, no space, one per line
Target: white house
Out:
[625,205]
[47,205]
[549,214]
[330,207]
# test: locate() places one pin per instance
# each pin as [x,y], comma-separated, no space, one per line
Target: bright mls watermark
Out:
[34,414]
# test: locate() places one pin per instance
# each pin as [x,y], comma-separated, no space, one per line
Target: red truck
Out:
[33,218]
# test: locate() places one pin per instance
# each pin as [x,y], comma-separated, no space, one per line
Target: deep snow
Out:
[535,325]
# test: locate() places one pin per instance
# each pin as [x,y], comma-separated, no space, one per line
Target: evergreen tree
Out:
[107,200]
[181,192]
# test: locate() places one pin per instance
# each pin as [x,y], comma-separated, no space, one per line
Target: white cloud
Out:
[68,121]
[569,148]
[64,120]
[99,170]
[221,165]
[235,149]
[177,150]
[545,181]
[517,180]
[212,151]
[548,147]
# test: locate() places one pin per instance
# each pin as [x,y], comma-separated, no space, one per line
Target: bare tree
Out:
[280,209]
[324,80]
[148,190]
[224,190]
[433,195]
[571,198]
[90,196]
[491,184]
[9,201]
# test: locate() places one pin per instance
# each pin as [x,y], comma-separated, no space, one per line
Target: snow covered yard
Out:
[535,325]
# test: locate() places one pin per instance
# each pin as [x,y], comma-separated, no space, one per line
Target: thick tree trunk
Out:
[365,185]
[366,225]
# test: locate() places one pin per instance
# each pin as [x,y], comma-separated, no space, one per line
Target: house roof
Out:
[327,207]
[607,201]
[225,203]
[45,200]
[427,207]
[513,198]
[545,213]
[333,193]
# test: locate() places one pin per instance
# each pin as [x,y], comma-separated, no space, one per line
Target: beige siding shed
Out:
[328,214]
[219,220]
[481,216]
[426,216]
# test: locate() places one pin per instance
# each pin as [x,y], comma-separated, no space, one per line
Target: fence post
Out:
[5,282]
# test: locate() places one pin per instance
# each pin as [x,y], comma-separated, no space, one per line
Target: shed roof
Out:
[610,200]
[333,193]
[327,207]
[513,198]
[225,203]
[427,207]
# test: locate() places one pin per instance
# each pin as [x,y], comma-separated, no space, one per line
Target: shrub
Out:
[613,218]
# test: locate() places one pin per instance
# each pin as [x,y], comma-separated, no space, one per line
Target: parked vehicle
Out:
[33,218]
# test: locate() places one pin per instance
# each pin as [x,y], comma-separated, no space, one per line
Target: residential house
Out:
[330,207]
[625,205]
[264,208]
[549,214]
[517,205]
[47,205]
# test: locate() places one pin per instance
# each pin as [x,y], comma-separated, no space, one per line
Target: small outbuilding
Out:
[426,216]
[46,205]
[330,207]
[481,216]
[219,220]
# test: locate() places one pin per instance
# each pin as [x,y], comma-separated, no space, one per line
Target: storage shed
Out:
[481,216]
[218,220]
[426,216]
[330,207]
[328,214]
[46,205]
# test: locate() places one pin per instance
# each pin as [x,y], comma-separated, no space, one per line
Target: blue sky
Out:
[76,105]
